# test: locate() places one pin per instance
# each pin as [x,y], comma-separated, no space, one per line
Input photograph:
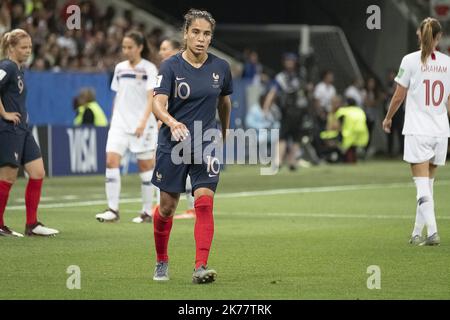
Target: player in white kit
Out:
[424,79]
[133,126]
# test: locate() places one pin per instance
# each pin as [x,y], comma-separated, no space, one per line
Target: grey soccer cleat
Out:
[416,240]
[204,275]
[161,271]
[433,240]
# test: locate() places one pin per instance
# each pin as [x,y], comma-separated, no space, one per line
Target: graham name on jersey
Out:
[437,69]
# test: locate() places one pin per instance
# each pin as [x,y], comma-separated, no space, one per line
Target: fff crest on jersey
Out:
[216,78]
[20,84]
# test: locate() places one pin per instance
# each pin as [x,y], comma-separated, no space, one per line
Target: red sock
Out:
[32,199]
[4,194]
[204,229]
[161,230]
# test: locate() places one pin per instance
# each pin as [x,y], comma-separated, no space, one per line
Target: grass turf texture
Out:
[302,244]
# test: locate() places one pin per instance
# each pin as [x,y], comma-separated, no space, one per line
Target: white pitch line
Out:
[325,215]
[244,194]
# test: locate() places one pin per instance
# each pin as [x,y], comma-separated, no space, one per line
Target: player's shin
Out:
[112,188]
[161,229]
[5,187]
[147,190]
[32,199]
[204,229]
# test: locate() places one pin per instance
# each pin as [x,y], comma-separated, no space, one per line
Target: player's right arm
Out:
[4,78]
[403,78]
[396,101]
[178,130]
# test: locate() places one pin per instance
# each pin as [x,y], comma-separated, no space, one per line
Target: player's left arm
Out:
[148,111]
[224,108]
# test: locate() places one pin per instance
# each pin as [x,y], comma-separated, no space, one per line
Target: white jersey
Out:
[132,86]
[428,92]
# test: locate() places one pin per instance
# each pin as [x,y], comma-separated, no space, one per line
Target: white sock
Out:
[432,187]
[189,196]
[157,195]
[419,224]
[425,203]
[147,191]
[112,187]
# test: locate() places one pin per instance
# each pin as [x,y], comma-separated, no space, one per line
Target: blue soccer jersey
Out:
[12,94]
[193,93]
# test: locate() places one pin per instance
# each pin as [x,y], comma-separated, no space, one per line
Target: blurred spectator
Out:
[347,127]
[88,110]
[356,91]
[371,107]
[323,93]
[288,89]
[5,18]
[397,120]
[252,68]
[258,118]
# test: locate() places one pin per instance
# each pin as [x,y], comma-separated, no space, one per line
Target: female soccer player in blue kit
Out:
[17,145]
[193,83]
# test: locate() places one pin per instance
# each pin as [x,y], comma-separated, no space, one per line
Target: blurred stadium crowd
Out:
[95,47]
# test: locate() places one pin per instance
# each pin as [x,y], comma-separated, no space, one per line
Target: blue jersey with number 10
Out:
[193,93]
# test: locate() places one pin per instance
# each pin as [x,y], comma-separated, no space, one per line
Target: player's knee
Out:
[9,179]
[112,163]
[145,166]
[37,174]
[167,209]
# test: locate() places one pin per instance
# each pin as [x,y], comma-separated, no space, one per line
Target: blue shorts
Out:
[170,177]
[18,148]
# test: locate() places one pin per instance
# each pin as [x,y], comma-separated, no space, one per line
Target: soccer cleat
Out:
[143,218]
[108,215]
[433,240]
[204,275]
[188,214]
[161,271]
[416,240]
[7,232]
[38,229]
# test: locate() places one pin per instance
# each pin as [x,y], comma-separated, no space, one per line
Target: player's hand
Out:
[179,131]
[13,117]
[140,129]
[387,123]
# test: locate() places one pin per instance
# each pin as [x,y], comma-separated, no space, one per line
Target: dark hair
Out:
[139,39]
[194,14]
[429,29]
[175,44]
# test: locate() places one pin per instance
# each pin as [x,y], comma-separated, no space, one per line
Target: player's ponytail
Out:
[4,45]
[11,39]
[429,30]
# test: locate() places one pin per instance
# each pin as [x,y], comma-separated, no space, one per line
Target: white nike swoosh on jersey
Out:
[178,78]
[212,175]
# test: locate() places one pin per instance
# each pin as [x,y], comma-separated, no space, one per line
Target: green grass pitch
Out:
[311,234]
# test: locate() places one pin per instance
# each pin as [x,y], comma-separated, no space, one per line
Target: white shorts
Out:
[120,141]
[419,149]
